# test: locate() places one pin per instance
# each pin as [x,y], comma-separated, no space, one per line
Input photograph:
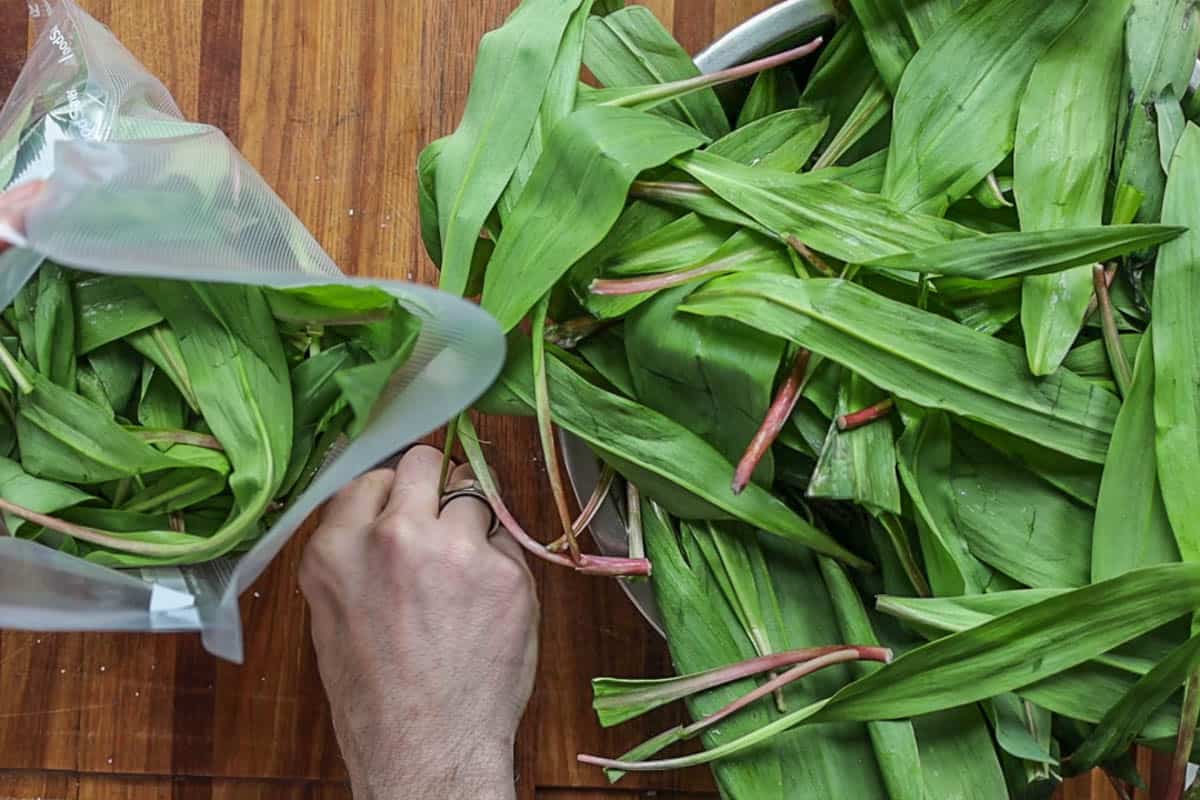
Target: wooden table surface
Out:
[331,100]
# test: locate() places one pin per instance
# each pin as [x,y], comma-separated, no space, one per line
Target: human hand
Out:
[426,635]
[15,204]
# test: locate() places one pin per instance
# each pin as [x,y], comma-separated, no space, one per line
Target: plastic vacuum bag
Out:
[135,189]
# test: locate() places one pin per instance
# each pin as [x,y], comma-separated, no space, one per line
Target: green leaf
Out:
[565,211]
[1131,528]
[1161,40]
[1090,360]
[43,496]
[330,304]
[315,392]
[920,357]
[54,326]
[160,405]
[236,364]
[1002,255]
[1077,479]
[117,370]
[630,47]
[713,376]
[845,85]
[958,757]
[703,633]
[1066,132]
[1019,649]
[827,215]
[183,488]
[431,234]
[160,346]
[109,308]
[390,344]
[558,101]
[476,162]
[1176,335]
[1116,732]
[1017,523]
[784,140]
[955,111]
[894,742]
[1022,729]
[737,564]
[630,435]
[859,464]
[65,437]
[924,457]
[773,90]
[681,243]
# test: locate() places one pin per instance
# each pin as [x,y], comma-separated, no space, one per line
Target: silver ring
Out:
[472,490]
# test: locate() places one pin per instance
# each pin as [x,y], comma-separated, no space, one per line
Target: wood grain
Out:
[331,101]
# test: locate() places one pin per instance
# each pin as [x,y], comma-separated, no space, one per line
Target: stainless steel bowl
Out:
[783,25]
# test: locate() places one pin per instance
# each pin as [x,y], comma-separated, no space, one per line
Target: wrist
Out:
[484,771]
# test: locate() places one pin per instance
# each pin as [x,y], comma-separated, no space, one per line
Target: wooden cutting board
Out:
[331,101]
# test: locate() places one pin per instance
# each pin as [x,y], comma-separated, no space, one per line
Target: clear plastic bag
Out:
[134,189]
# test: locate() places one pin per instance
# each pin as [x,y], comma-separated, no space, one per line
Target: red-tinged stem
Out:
[541,393]
[773,662]
[587,564]
[802,669]
[611,567]
[777,416]
[1093,304]
[180,437]
[783,679]
[865,416]
[1183,740]
[678,88]
[590,509]
[86,534]
[807,253]
[653,283]
[1112,338]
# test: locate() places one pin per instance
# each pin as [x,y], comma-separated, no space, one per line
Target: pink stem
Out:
[587,564]
[838,656]
[599,495]
[865,416]
[768,663]
[653,283]
[1093,304]
[668,90]
[777,416]
[84,533]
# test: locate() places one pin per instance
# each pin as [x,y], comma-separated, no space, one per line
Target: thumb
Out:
[15,205]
